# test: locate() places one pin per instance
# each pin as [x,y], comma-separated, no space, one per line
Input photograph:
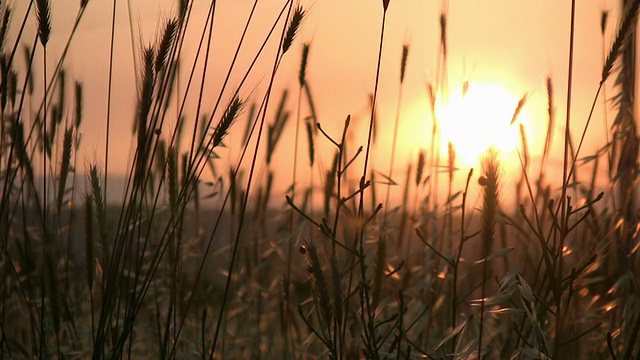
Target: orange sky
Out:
[511,44]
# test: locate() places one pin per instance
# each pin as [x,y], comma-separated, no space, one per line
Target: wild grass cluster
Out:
[332,268]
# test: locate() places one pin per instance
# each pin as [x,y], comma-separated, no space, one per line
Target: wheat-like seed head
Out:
[490,182]
[4,72]
[310,140]
[65,165]
[330,183]
[88,239]
[550,120]
[403,62]
[13,86]
[518,109]
[443,33]
[550,105]
[98,198]
[165,43]
[603,21]
[160,157]
[17,138]
[303,64]
[230,114]
[43,15]
[26,50]
[95,186]
[432,97]
[146,89]
[78,103]
[276,129]
[420,169]
[4,26]
[622,36]
[294,26]
[62,88]
[319,282]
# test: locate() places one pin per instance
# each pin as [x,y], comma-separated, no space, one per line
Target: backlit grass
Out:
[205,257]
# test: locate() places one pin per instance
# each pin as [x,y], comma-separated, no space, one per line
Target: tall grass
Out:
[196,261]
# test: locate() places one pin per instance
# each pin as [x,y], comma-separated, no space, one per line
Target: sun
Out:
[480,117]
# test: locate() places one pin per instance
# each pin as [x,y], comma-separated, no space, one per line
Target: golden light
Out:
[479,118]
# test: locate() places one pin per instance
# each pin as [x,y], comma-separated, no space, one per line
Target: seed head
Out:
[43,14]
[294,26]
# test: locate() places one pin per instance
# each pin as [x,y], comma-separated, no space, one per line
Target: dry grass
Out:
[161,275]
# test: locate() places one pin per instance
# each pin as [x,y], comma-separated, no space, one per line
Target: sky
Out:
[508,47]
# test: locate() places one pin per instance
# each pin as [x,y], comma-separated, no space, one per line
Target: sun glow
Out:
[480,117]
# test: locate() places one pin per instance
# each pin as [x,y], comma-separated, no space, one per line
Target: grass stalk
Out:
[563,204]
[244,206]
[490,203]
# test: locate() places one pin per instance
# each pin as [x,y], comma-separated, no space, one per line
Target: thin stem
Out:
[203,81]
[109,90]
[456,262]
[373,114]
[393,151]
[287,279]
[225,297]
[565,180]
[361,223]
[45,145]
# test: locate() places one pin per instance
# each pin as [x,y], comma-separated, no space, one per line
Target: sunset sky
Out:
[505,45]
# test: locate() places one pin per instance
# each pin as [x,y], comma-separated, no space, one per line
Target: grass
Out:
[187,267]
